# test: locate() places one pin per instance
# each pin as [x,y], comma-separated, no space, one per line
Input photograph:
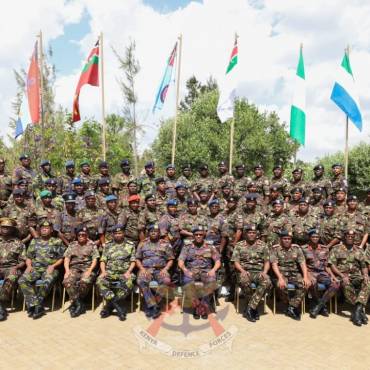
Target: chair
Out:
[290,287]
[38,284]
[253,286]
[2,282]
[198,285]
[92,298]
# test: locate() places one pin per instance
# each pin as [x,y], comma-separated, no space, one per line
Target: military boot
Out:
[248,314]
[80,308]
[314,311]
[121,312]
[356,316]
[106,310]
[364,318]
[292,313]
[3,313]
[256,313]
[38,312]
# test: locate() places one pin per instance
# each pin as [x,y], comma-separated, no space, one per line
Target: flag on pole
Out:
[18,128]
[297,111]
[166,80]
[344,93]
[33,87]
[225,106]
[90,76]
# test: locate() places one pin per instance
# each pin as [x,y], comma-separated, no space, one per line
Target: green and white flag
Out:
[225,106]
[298,109]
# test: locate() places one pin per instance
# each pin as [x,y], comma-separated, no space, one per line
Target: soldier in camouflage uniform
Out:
[44,256]
[116,278]
[337,180]
[204,198]
[121,179]
[12,262]
[288,264]
[340,195]
[104,190]
[186,178]
[150,215]
[44,174]
[65,181]
[46,210]
[292,206]
[329,225]
[80,261]
[240,180]
[103,173]
[251,261]
[316,201]
[316,256]
[189,219]
[365,205]
[279,181]
[79,189]
[161,195]
[297,181]
[204,181]
[348,262]
[132,189]
[24,172]
[5,184]
[226,193]
[274,195]
[223,177]
[147,182]
[261,181]
[170,180]
[217,228]
[154,258]
[130,220]
[354,219]
[319,181]
[199,262]
[86,177]
[302,221]
[181,197]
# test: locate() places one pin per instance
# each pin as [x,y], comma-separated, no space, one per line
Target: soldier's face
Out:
[26,162]
[329,210]
[240,171]
[181,192]
[214,209]
[314,239]
[258,172]
[125,168]
[161,187]
[46,201]
[70,170]
[204,196]
[134,205]
[90,201]
[118,236]
[149,170]
[171,172]
[46,168]
[250,204]
[297,195]
[104,171]
[297,176]
[337,170]
[286,241]
[18,199]
[154,234]
[352,205]
[226,191]
[82,237]
[5,230]
[151,203]
[45,230]
[319,172]
[132,188]
[274,194]
[349,238]
[278,172]
[79,188]
[231,205]
[70,206]
[186,172]
[340,195]
[192,208]
[277,208]
[112,205]
[52,188]
[199,237]
[104,188]
[22,186]
[317,195]
[252,189]
[250,235]
[303,208]
[222,169]
[85,169]
[203,172]
[172,210]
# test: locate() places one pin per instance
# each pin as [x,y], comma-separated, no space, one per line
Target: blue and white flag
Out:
[344,93]
[18,128]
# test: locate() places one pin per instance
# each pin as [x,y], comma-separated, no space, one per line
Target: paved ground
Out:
[58,342]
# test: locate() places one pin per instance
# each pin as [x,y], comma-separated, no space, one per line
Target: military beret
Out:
[132,182]
[171,202]
[304,200]
[214,202]
[352,198]
[341,189]
[149,196]
[50,182]
[226,185]
[24,156]
[337,165]
[185,166]
[7,222]
[118,228]
[251,184]
[232,199]
[21,181]
[89,193]
[277,166]
[125,162]
[110,198]
[274,188]
[171,165]
[278,201]
[251,196]
[196,228]
[2,160]
[349,232]
[69,164]
[249,227]
[297,170]
[284,233]
[149,164]
[222,163]
[46,223]
[159,180]
[81,229]
[258,166]
[45,194]
[203,190]
[192,202]
[317,189]
[180,185]
[45,162]
[240,165]
[133,198]
[84,162]
[329,203]
[103,164]
[18,192]
[153,226]
[318,167]
[104,181]
[203,167]
[313,231]
[77,181]
[296,190]
[69,197]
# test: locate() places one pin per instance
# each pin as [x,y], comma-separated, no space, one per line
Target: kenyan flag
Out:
[89,75]
[233,58]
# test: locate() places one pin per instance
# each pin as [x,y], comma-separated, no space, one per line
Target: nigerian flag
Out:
[297,111]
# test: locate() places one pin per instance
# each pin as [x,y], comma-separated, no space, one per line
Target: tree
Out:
[131,67]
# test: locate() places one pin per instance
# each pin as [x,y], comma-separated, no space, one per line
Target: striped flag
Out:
[297,111]
[33,87]
[344,93]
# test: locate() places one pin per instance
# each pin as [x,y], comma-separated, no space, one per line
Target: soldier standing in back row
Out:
[24,172]
[337,181]
[5,184]
[261,181]
[240,181]
[319,180]
[65,181]
[186,178]
[147,181]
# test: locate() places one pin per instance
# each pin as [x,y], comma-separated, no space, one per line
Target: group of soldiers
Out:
[197,232]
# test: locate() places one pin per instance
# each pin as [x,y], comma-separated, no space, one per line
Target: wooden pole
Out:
[232,124]
[174,130]
[41,69]
[346,152]
[101,69]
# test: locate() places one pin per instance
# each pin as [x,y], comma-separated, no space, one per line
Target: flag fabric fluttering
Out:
[225,106]
[90,76]
[344,93]
[18,128]
[297,111]
[166,80]
[33,87]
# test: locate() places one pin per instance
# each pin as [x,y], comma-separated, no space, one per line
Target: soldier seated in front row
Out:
[251,260]
[44,256]
[116,278]
[154,258]
[199,262]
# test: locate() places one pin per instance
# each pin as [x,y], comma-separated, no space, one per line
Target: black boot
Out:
[249,315]
[292,312]
[106,310]
[357,315]
[324,312]
[256,314]
[121,312]
[314,311]
[3,313]
[196,315]
[364,318]
[80,308]
[38,312]
[72,307]
[30,311]
[156,312]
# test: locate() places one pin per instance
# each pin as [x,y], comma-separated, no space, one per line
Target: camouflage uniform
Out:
[350,261]
[317,262]
[355,221]
[319,182]
[120,182]
[91,218]
[5,188]
[275,223]
[296,184]
[252,259]
[240,185]
[203,209]
[262,185]
[329,228]
[169,227]
[43,253]
[288,261]
[148,217]
[147,185]
[117,258]
[300,225]
[187,182]
[89,181]
[217,229]
[204,183]
[154,257]
[65,183]
[224,179]
[107,221]
[170,186]
[187,221]
[161,202]
[50,214]
[39,180]
[66,224]
[337,182]
[22,173]
[25,217]
[256,218]
[340,208]
[182,205]
[131,221]
[12,253]
[282,184]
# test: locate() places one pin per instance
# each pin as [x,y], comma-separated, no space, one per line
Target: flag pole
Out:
[174,130]
[232,124]
[101,78]
[41,65]
[346,153]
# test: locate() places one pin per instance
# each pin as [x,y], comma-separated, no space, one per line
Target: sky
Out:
[270,33]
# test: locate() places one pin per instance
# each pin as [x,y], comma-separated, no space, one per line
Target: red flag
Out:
[33,88]
[89,75]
